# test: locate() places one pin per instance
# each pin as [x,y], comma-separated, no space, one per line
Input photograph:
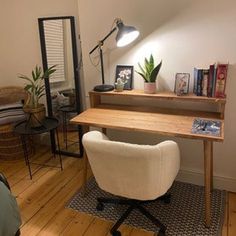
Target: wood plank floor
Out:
[42,200]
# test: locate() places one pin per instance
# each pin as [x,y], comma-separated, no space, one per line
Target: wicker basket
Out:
[10,144]
[35,115]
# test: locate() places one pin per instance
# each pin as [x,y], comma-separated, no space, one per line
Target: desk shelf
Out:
[95,98]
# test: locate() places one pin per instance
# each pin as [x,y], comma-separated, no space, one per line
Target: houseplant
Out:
[35,87]
[149,73]
[119,84]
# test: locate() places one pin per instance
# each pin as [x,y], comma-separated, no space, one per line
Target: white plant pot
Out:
[119,87]
[149,87]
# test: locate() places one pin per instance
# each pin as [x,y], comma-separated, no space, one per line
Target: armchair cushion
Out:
[11,113]
[10,219]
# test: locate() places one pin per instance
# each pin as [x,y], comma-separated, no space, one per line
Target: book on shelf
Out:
[195,73]
[207,127]
[220,81]
[205,75]
[198,76]
[211,82]
[214,81]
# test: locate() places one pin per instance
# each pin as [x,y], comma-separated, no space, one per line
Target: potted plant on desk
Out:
[149,73]
[35,87]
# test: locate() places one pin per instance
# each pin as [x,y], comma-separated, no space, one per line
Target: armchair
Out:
[138,173]
[10,219]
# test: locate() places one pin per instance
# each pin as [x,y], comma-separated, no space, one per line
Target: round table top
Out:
[67,108]
[48,124]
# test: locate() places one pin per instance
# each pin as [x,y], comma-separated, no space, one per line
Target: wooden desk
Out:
[170,122]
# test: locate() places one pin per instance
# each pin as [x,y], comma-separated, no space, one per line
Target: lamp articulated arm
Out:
[100,43]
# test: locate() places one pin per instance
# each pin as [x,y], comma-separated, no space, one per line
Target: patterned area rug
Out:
[184,216]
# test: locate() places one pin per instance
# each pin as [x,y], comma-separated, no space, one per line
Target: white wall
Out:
[184,34]
[19,42]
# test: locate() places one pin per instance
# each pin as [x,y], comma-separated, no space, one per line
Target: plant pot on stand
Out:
[35,116]
[35,87]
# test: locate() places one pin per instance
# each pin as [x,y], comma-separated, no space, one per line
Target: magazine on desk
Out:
[208,127]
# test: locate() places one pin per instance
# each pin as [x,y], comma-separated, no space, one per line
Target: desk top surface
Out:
[177,124]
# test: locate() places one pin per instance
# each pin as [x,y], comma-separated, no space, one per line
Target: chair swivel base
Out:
[133,204]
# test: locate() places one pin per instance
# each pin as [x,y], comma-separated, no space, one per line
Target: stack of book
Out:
[210,82]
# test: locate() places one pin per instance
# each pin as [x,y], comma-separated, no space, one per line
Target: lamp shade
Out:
[125,34]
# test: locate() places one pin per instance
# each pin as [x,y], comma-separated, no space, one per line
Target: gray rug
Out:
[184,216]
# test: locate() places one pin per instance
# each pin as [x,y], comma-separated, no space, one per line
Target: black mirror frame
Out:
[76,79]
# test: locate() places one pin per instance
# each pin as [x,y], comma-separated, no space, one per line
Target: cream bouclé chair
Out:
[139,173]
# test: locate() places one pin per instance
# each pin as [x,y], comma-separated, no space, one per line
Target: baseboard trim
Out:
[219,182]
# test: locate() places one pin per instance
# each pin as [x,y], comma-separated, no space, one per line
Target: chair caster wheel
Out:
[116,233]
[100,206]
[167,200]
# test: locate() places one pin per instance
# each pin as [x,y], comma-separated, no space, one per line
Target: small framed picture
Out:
[182,83]
[125,73]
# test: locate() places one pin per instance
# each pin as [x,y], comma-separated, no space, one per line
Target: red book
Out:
[220,83]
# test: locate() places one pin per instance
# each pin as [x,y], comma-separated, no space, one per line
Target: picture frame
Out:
[182,83]
[125,72]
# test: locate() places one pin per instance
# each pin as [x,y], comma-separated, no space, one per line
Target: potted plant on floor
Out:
[149,73]
[36,89]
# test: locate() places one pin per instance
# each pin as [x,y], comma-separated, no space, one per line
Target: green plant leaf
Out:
[35,86]
[49,71]
[147,65]
[28,87]
[155,72]
[26,78]
[141,68]
[42,94]
[34,75]
[38,71]
[40,90]
[151,63]
[144,77]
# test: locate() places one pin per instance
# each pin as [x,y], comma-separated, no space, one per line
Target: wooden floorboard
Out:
[42,201]
[232,215]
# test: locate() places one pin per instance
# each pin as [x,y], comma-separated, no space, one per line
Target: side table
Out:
[24,129]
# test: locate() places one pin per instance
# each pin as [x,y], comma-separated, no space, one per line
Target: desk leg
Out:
[85,164]
[208,161]
[211,166]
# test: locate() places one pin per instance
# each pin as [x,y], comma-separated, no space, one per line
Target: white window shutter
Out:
[54,37]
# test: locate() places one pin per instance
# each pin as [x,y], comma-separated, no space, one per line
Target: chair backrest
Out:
[142,172]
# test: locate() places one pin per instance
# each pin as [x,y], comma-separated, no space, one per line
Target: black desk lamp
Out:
[125,35]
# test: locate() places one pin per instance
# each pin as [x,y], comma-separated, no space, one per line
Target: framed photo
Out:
[182,83]
[125,73]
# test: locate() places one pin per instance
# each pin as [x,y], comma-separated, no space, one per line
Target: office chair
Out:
[138,173]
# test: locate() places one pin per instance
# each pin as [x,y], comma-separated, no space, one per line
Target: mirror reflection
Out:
[62,95]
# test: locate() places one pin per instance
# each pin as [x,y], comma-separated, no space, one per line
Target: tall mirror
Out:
[58,47]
